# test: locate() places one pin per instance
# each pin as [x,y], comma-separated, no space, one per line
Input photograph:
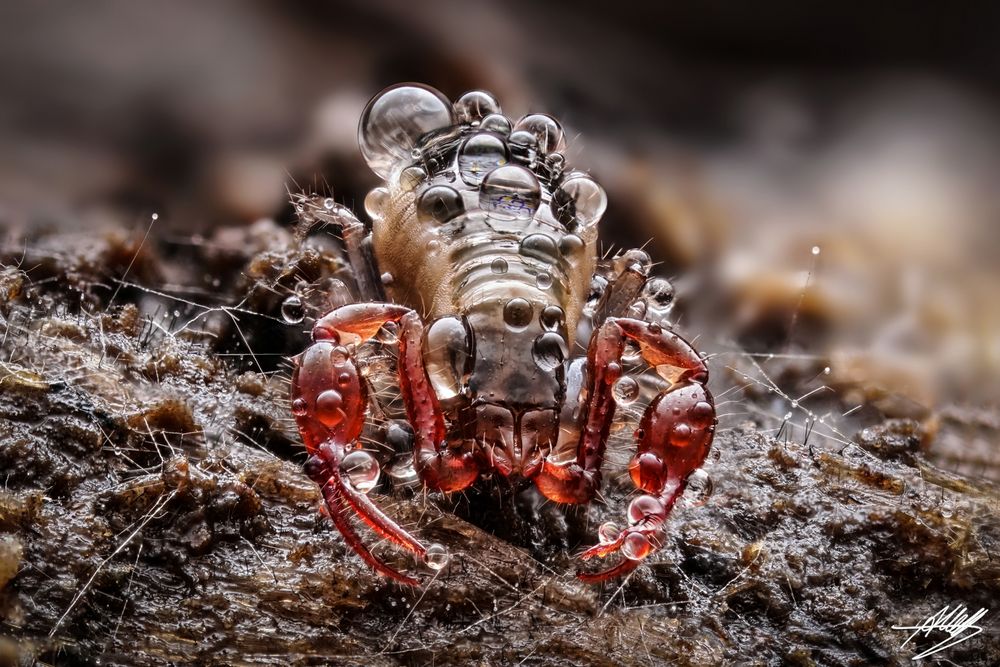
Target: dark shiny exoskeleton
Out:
[516,344]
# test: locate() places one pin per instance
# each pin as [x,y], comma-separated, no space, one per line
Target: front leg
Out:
[674,437]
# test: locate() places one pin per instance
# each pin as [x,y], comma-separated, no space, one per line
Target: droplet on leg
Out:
[636,546]
[644,507]
[608,532]
[361,470]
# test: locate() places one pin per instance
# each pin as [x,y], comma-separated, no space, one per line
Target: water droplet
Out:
[699,488]
[399,436]
[439,204]
[447,352]
[411,178]
[636,258]
[376,202]
[330,407]
[499,265]
[433,245]
[681,434]
[636,546]
[523,142]
[543,280]
[386,278]
[328,203]
[815,250]
[510,192]
[570,244]
[549,351]
[826,371]
[702,413]
[496,122]
[293,310]
[552,318]
[579,200]
[608,532]
[155,216]
[626,390]
[388,333]
[361,470]
[659,292]
[436,557]
[546,129]
[517,313]
[644,507]
[339,356]
[539,246]
[344,379]
[475,105]
[299,407]
[395,121]
[480,154]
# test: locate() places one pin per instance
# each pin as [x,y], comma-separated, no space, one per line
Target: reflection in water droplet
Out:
[361,470]
[376,202]
[438,204]
[395,120]
[510,192]
[517,313]
[579,201]
[699,488]
[626,390]
[546,130]
[293,310]
[480,154]
[608,532]
[549,351]
[552,318]
[436,556]
[447,351]
[496,123]
[474,105]
[499,265]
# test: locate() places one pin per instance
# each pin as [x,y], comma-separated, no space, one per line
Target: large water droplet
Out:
[539,246]
[330,408]
[396,119]
[439,204]
[293,310]
[510,192]
[447,351]
[579,200]
[626,390]
[552,318]
[608,532]
[376,202]
[480,154]
[699,488]
[636,546]
[546,129]
[496,123]
[436,557]
[549,350]
[498,265]
[517,313]
[474,105]
[361,470]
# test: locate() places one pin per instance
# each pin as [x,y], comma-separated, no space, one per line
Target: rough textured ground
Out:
[153,510]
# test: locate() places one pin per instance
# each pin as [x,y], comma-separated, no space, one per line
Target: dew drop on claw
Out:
[636,546]
[626,390]
[293,310]
[517,313]
[579,200]
[499,265]
[608,532]
[510,192]
[549,351]
[360,469]
[395,121]
[475,105]
[699,488]
[644,506]
[480,154]
[436,557]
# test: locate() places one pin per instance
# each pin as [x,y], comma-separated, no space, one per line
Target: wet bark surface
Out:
[154,510]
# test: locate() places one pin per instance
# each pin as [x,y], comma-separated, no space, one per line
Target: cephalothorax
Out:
[482,260]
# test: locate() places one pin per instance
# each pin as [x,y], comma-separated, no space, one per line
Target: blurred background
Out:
[821,182]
